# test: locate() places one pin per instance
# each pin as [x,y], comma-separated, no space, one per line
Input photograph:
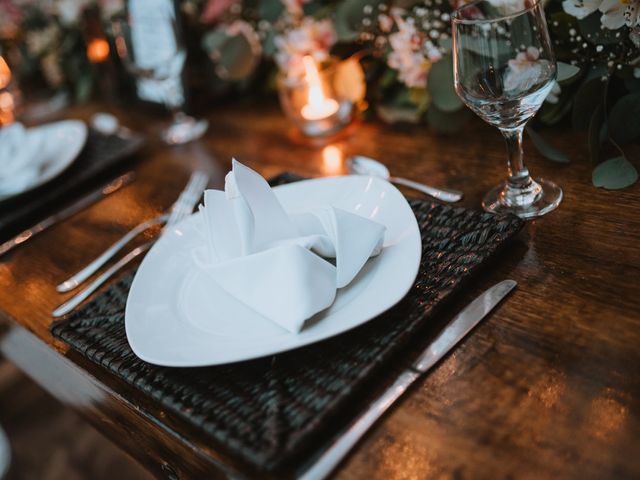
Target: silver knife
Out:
[457,329]
[67,212]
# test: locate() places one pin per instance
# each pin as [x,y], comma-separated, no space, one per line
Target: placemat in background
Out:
[95,165]
[273,412]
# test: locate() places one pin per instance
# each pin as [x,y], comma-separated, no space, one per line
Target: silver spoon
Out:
[368,166]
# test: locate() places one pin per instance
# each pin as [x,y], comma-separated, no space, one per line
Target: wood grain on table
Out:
[547,387]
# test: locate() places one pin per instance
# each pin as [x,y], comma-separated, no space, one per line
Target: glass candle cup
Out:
[311,101]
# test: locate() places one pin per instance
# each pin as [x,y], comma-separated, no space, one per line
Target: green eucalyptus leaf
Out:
[233,55]
[270,10]
[311,8]
[237,59]
[348,18]
[595,131]
[446,44]
[547,150]
[567,72]
[624,119]
[614,174]
[440,84]
[632,84]
[269,43]
[585,102]
[447,123]
[604,133]
[213,40]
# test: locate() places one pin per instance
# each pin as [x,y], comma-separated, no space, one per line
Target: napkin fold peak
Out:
[276,262]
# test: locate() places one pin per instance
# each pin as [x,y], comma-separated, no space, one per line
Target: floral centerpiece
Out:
[395,59]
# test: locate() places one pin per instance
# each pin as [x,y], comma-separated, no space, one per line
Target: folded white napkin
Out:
[272,261]
[17,152]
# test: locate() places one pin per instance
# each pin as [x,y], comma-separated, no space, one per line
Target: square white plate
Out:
[177,316]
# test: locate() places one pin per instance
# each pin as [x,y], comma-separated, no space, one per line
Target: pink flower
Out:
[524,71]
[214,9]
[312,37]
[407,57]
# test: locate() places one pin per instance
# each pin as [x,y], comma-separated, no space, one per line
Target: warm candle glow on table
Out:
[318,106]
[5,73]
[332,160]
[6,108]
[98,50]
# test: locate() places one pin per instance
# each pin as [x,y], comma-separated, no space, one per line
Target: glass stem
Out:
[518,174]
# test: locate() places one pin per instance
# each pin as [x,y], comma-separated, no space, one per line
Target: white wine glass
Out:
[504,68]
[149,43]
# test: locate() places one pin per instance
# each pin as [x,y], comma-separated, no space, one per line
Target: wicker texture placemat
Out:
[101,154]
[272,412]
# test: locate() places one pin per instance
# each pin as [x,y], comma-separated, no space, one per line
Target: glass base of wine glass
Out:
[538,198]
[184,129]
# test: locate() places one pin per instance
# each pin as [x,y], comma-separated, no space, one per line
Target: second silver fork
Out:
[181,209]
[186,202]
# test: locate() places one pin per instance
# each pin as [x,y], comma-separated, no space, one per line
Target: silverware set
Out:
[182,208]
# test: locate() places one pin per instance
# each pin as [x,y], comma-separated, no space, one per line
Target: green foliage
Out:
[270,10]
[348,18]
[567,73]
[624,119]
[440,82]
[447,123]
[233,54]
[614,174]
[596,126]
[592,31]
[547,150]
[585,102]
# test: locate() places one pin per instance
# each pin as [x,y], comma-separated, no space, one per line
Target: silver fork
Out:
[187,199]
[182,208]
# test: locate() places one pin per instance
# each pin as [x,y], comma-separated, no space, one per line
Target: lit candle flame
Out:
[318,106]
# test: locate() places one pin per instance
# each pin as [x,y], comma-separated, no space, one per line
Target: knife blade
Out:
[68,211]
[455,331]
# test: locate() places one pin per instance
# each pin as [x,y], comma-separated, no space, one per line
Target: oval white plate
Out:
[177,316]
[60,144]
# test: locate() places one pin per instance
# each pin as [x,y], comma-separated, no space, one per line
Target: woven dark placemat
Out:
[101,154]
[272,412]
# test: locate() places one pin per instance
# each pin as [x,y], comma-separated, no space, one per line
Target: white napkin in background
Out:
[17,152]
[272,261]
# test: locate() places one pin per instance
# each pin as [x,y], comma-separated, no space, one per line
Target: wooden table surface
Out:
[547,387]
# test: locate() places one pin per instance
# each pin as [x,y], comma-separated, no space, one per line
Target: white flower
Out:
[617,13]
[581,8]
[38,41]
[554,93]
[312,37]
[51,68]
[110,8]
[407,55]
[69,10]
